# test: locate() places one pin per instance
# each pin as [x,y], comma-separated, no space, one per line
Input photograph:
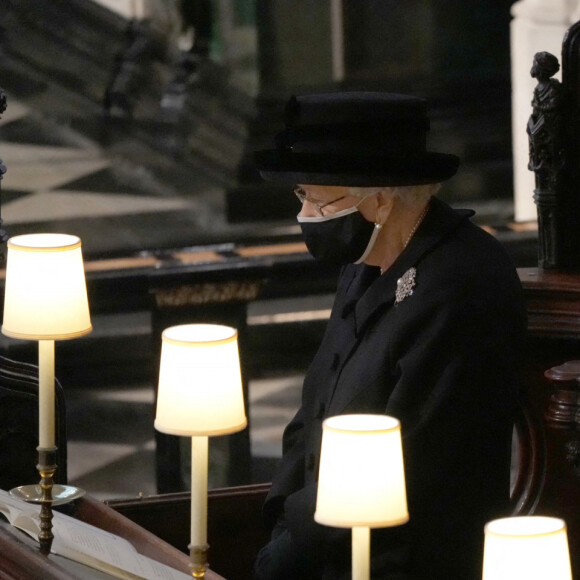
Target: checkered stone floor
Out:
[60,180]
[119,460]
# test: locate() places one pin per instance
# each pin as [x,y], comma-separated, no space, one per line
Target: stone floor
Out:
[111,439]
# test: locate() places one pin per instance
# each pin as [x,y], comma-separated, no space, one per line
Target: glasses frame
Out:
[301,195]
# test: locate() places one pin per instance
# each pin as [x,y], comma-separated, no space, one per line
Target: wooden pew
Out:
[235,529]
[21,558]
[553,307]
[547,478]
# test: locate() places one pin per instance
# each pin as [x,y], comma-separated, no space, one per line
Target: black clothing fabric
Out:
[444,360]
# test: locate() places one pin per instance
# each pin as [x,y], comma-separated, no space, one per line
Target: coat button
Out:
[311,462]
[335,361]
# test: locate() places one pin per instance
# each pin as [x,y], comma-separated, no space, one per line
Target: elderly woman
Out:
[427,326]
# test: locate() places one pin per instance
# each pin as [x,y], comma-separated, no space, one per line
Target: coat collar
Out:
[367,291]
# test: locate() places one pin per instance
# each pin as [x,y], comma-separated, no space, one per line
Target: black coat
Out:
[444,360]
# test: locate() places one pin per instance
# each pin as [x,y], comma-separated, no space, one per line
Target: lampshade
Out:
[530,547]
[361,479]
[200,385]
[45,296]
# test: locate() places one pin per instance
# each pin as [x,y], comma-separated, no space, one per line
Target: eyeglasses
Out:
[301,195]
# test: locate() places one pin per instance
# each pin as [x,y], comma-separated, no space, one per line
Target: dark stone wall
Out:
[426,41]
[294,43]
[455,53]
[415,43]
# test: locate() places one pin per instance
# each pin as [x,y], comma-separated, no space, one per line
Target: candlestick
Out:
[47,468]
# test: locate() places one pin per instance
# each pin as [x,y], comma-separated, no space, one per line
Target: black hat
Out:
[355,139]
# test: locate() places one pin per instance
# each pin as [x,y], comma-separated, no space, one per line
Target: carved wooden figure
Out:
[545,132]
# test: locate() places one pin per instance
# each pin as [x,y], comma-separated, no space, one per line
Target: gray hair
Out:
[406,193]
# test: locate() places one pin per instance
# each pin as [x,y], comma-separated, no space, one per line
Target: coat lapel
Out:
[439,222]
[366,292]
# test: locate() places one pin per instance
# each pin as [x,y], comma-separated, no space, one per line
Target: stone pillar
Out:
[537,25]
[337,40]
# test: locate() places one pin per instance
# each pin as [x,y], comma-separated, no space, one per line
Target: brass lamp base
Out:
[47,494]
[46,467]
[61,494]
[199,563]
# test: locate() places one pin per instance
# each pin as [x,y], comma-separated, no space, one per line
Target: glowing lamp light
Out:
[200,394]
[361,481]
[530,547]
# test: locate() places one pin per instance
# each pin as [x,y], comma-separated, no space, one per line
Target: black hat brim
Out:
[292,168]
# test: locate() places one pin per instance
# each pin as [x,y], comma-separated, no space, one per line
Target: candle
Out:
[199,463]
[46,393]
[361,552]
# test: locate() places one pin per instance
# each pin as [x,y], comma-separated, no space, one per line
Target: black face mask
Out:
[344,237]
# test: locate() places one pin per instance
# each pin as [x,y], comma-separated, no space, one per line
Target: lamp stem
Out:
[46,448]
[361,551]
[46,467]
[46,406]
[199,471]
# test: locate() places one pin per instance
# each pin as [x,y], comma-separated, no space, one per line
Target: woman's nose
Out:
[308,210]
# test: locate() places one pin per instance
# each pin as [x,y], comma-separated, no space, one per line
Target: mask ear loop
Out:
[370,245]
[373,239]
[327,218]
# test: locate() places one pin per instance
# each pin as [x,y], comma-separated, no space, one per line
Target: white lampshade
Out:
[361,480]
[200,385]
[530,547]
[45,296]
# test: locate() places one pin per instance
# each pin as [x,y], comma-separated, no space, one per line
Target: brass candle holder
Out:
[199,561]
[46,493]
[47,468]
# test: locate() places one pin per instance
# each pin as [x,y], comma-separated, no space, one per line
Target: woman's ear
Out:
[385,203]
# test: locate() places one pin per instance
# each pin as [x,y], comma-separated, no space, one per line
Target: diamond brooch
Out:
[405,285]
